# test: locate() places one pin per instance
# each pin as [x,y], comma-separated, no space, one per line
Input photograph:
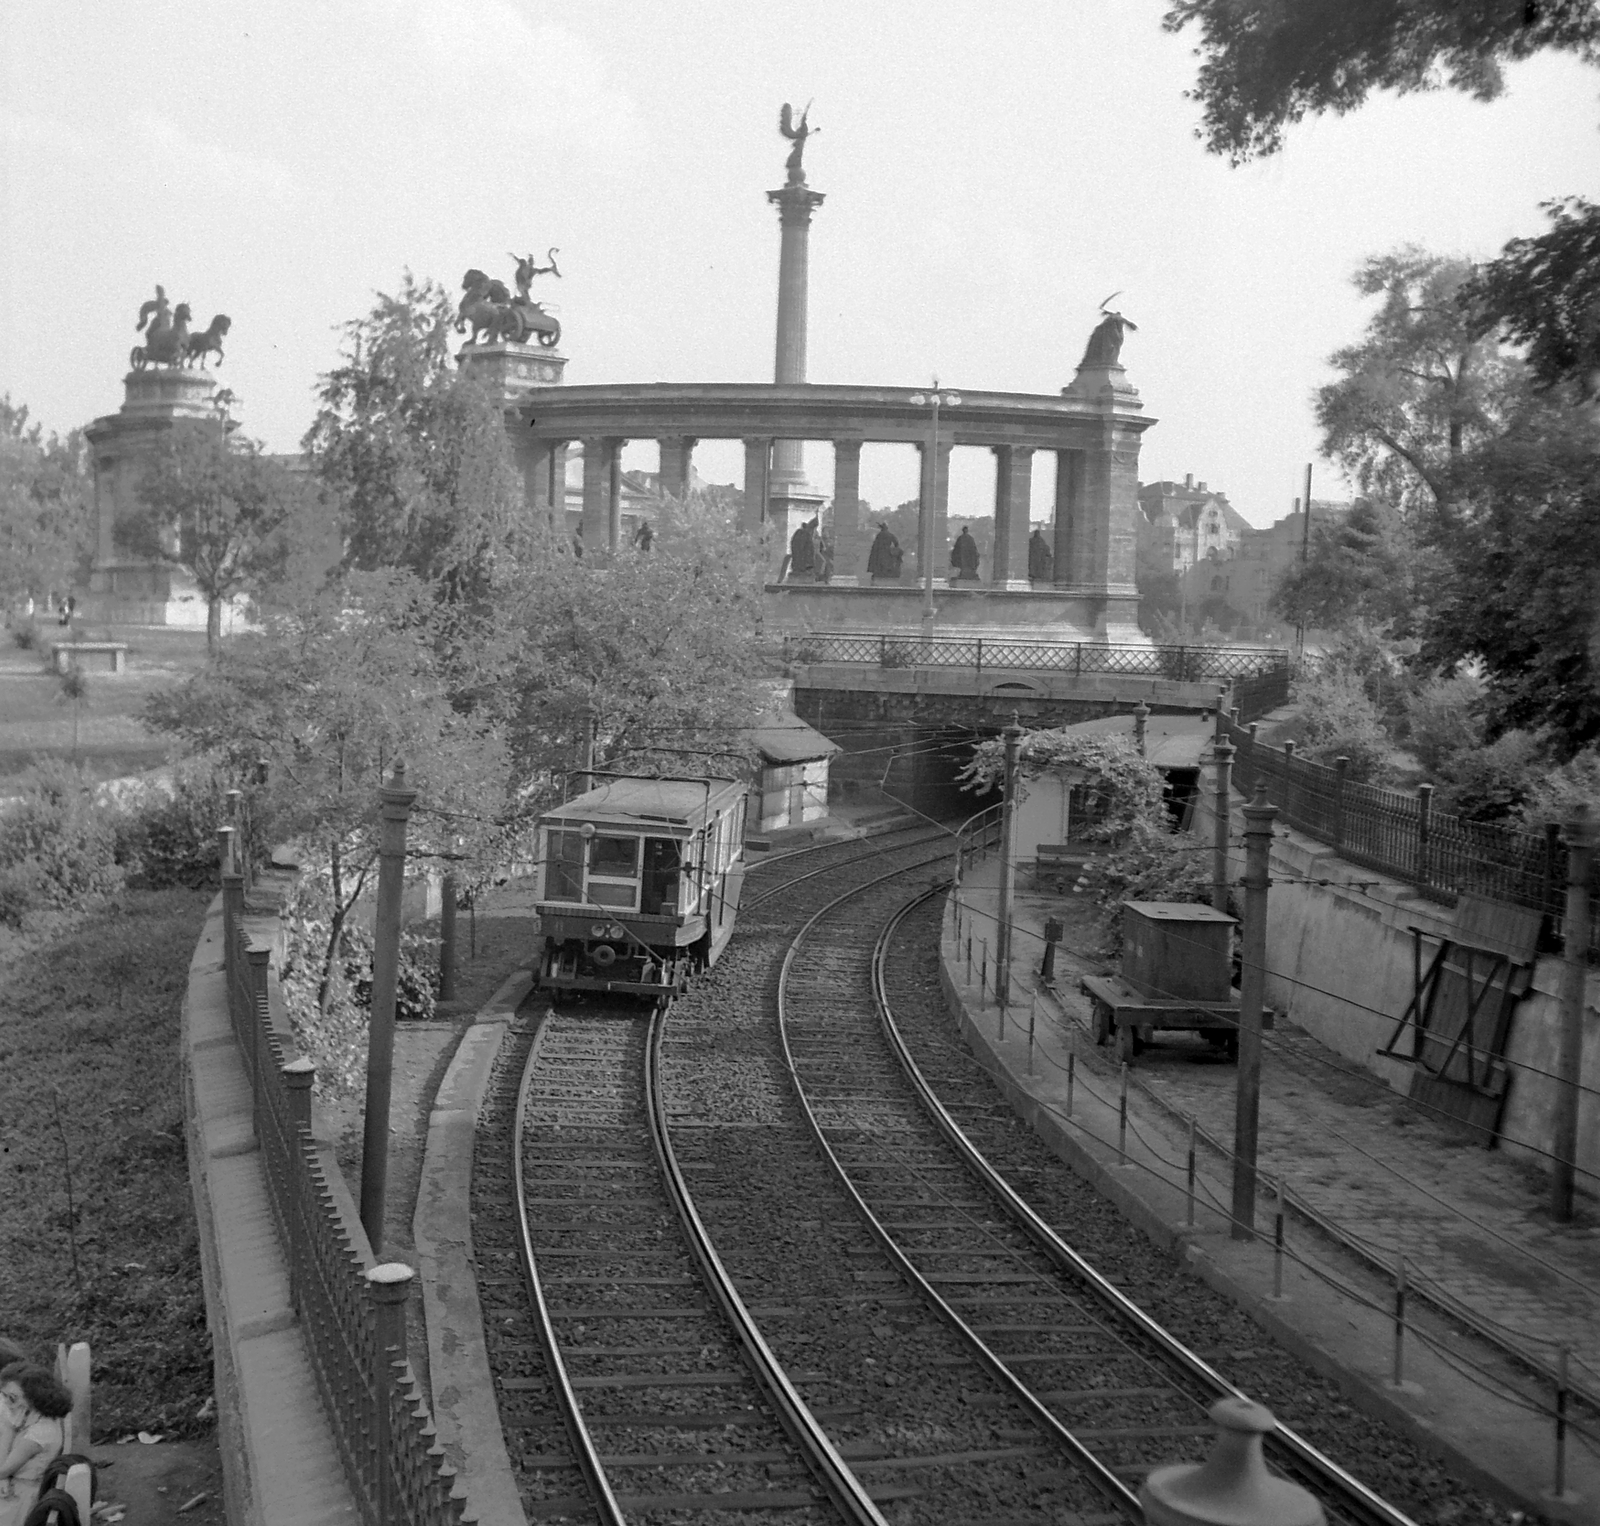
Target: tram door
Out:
[661,864]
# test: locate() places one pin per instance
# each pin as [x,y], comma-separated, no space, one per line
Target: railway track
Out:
[1116,1392]
[797,1333]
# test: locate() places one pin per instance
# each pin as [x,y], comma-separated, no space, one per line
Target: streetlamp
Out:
[934,400]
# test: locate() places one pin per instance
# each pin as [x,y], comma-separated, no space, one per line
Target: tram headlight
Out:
[616,930]
[597,930]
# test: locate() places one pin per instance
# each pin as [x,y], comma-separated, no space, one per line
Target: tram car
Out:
[638,883]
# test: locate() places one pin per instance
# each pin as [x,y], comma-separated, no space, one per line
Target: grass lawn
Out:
[91,1007]
[111,742]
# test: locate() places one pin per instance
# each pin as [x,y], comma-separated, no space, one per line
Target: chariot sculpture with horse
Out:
[493,315]
[166,336]
[167,340]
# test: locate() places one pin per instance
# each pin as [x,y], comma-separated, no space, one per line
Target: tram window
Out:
[614,857]
[660,882]
[623,894]
[563,866]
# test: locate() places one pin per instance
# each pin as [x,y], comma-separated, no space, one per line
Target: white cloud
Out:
[197,170]
[23,131]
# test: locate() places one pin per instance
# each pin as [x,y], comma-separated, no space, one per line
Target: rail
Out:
[1191,664]
[1443,855]
[354,1325]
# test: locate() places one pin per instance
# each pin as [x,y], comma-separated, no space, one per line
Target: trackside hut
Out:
[792,788]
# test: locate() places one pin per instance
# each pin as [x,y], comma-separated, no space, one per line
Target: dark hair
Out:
[40,1387]
[58,1467]
[55,1507]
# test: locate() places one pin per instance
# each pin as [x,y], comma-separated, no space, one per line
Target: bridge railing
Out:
[887,649]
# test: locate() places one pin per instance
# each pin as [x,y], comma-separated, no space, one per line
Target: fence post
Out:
[1258,818]
[1288,751]
[980,654]
[1560,1488]
[1077,659]
[1569,1043]
[1141,715]
[1397,1376]
[298,1078]
[1188,1217]
[1341,766]
[1424,817]
[390,1285]
[1122,1119]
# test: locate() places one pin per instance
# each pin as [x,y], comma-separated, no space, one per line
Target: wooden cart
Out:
[1176,975]
[1132,1017]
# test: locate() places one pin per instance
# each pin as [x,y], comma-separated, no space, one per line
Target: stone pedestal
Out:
[511,371]
[125,590]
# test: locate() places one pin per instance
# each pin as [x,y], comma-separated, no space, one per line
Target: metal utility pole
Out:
[1002,955]
[1222,756]
[933,399]
[447,938]
[1574,977]
[396,802]
[1258,819]
[1305,556]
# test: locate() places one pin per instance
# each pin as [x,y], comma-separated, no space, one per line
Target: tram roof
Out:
[638,802]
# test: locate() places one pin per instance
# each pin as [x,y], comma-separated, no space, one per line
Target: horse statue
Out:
[208,340]
[166,338]
[487,308]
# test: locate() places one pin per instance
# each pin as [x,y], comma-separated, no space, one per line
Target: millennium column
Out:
[791,499]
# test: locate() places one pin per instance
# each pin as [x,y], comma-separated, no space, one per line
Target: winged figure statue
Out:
[796,133]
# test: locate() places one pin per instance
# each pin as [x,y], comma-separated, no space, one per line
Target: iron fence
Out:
[977,837]
[884,649]
[354,1326]
[1443,855]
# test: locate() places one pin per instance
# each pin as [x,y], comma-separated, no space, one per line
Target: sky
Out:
[992,168]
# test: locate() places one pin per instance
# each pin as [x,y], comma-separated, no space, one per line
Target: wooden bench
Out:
[1057,865]
[64,653]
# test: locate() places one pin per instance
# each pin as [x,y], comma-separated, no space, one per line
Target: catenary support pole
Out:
[1258,818]
[395,801]
[447,938]
[1222,756]
[1574,978]
[1008,807]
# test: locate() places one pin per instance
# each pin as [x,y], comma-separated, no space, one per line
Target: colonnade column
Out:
[677,455]
[533,461]
[849,538]
[558,485]
[1013,510]
[757,476]
[1069,540]
[613,469]
[1107,532]
[596,482]
[933,516]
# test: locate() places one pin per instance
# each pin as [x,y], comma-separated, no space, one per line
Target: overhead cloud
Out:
[50,135]
[209,168]
[539,86]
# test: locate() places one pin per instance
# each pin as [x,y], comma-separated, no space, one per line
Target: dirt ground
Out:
[150,1485]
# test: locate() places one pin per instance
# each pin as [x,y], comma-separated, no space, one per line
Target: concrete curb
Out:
[267,1404]
[466,1410]
[1157,1209]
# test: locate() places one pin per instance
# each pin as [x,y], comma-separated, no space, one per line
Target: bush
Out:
[1149,864]
[1444,718]
[167,835]
[26,635]
[1552,794]
[57,845]
[1339,719]
[1491,783]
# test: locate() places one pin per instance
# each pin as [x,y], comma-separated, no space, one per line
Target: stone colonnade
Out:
[1091,430]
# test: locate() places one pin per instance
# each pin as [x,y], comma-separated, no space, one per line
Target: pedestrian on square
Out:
[35,1403]
[883,560]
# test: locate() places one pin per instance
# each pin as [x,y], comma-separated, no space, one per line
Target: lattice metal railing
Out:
[1193,664]
[1443,855]
[354,1328]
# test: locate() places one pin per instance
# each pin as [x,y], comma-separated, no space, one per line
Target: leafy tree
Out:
[1544,293]
[219,509]
[647,649]
[1520,585]
[1444,719]
[46,508]
[1421,389]
[415,452]
[336,688]
[1265,66]
[1339,719]
[1353,571]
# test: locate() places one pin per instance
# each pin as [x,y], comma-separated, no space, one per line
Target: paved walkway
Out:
[1367,1176]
